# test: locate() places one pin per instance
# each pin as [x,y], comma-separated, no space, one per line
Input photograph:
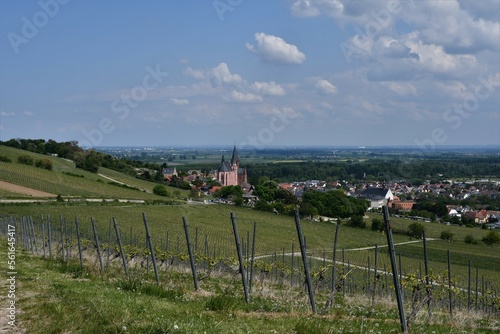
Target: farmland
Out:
[279,303]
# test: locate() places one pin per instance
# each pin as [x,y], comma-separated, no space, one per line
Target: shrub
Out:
[491,238]
[416,230]
[25,159]
[377,225]
[160,190]
[44,163]
[3,158]
[469,239]
[446,235]
[357,221]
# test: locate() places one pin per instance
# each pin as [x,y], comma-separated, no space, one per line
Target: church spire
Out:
[235,160]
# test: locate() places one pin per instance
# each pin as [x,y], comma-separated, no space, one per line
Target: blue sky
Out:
[252,73]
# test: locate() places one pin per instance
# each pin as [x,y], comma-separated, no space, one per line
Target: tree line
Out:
[415,170]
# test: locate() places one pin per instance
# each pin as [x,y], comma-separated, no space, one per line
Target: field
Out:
[279,302]
[68,181]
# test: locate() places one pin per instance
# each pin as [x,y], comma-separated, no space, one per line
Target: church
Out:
[229,173]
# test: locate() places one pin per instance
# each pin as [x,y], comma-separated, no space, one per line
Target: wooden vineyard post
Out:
[49,233]
[79,242]
[190,252]
[62,236]
[151,248]
[375,279]
[240,257]
[304,261]
[32,225]
[252,263]
[98,247]
[120,244]
[428,286]
[469,301]
[43,241]
[395,277]
[450,294]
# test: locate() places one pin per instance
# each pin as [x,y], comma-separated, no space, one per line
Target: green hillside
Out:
[66,180]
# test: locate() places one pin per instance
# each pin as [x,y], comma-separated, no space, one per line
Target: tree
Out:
[469,239]
[446,235]
[197,182]
[377,225]
[44,163]
[307,209]
[25,159]
[416,230]
[159,178]
[357,221]
[491,238]
[238,201]
[160,190]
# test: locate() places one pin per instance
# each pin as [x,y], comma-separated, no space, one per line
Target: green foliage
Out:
[262,205]
[238,201]
[357,221]
[469,239]
[416,230]
[270,192]
[44,163]
[229,192]
[4,158]
[335,203]
[25,159]
[89,160]
[417,170]
[160,190]
[377,225]
[446,235]
[307,209]
[491,238]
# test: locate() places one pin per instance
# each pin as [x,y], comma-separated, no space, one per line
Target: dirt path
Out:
[24,190]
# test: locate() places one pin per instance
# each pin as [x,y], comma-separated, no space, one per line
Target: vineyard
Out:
[265,256]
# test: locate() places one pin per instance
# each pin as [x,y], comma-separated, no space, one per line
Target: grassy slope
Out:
[53,297]
[274,233]
[56,182]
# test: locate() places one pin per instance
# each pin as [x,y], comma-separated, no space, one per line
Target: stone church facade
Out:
[229,173]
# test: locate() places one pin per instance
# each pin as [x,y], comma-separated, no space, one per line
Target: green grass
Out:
[275,233]
[56,297]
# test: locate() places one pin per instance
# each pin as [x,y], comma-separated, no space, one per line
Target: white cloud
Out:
[268,88]
[179,102]
[221,74]
[239,97]
[434,58]
[28,113]
[275,49]
[197,74]
[401,88]
[217,75]
[309,8]
[6,114]
[325,86]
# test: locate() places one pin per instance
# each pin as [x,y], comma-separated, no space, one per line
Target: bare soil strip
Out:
[24,190]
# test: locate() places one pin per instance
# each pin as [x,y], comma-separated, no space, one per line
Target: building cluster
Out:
[403,196]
